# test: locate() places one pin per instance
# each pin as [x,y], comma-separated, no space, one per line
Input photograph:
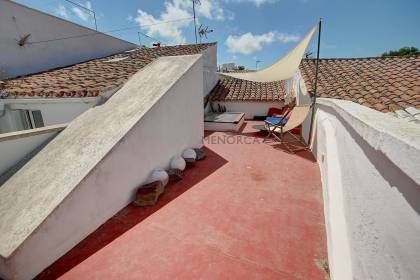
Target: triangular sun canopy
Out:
[283,69]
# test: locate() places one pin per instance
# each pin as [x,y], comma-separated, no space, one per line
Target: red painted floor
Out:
[248,211]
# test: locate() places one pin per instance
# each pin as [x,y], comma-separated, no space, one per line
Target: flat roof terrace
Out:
[248,211]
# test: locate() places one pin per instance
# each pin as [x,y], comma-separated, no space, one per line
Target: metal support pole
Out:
[195,24]
[256,64]
[94,17]
[316,82]
[138,33]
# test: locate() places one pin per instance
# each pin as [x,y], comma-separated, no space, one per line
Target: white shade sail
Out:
[283,69]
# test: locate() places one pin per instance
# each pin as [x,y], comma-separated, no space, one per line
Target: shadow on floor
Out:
[305,154]
[130,216]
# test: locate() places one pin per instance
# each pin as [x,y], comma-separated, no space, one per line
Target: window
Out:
[37,118]
[33,119]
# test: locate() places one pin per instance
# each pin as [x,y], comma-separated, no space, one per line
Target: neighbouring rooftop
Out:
[234,215]
[92,77]
[231,89]
[385,84]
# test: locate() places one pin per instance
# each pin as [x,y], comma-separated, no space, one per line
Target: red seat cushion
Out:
[295,130]
[275,111]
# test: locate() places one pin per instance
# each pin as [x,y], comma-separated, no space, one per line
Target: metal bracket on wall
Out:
[24,39]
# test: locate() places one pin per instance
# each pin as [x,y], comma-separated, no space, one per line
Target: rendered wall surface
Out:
[10,121]
[173,123]
[369,165]
[17,21]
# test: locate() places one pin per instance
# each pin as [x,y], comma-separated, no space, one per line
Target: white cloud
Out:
[249,43]
[169,31]
[130,18]
[287,38]
[212,10]
[62,11]
[255,2]
[82,13]
[175,10]
[209,9]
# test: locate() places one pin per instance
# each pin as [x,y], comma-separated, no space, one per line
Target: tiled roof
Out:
[231,89]
[386,84]
[92,77]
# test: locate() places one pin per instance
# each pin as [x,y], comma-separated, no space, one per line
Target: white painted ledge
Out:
[397,139]
[369,163]
[31,132]
[18,145]
[18,100]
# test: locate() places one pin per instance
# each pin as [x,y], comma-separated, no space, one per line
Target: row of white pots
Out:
[177,162]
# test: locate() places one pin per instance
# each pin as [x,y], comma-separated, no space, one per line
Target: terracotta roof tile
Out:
[382,83]
[92,77]
[231,89]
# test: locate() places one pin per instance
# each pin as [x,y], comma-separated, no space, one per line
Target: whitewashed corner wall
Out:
[369,164]
[17,21]
[174,123]
[210,76]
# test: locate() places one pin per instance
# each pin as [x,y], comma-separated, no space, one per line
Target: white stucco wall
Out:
[210,76]
[10,120]
[172,124]
[17,21]
[250,109]
[15,146]
[370,166]
[53,110]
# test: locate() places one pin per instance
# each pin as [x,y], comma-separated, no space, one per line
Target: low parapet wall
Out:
[370,166]
[92,169]
[250,108]
[14,146]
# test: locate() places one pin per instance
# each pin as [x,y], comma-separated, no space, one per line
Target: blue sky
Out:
[247,30]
